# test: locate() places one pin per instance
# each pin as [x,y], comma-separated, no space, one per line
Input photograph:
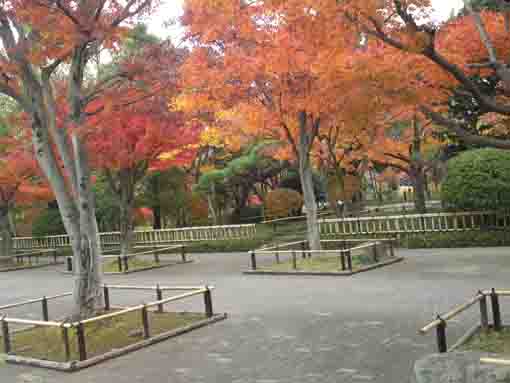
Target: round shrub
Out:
[478,179]
[281,203]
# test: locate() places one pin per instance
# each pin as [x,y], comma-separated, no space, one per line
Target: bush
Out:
[478,179]
[251,214]
[281,203]
[457,239]
[48,223]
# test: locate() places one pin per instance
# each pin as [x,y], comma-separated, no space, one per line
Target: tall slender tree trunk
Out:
[417,169]
[306,177]
[6,237]
[156,205]
[126,222]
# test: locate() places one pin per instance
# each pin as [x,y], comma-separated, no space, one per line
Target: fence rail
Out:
[415,223]
[140,237]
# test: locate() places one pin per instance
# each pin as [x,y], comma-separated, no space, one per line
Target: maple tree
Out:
[21,183]
[130,142]
[449,59]
[46,50]
[409,150]
[282,62]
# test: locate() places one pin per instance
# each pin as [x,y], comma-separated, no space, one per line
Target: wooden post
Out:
[349,260]
[156,256]
[80,335]
[159,297]
[44,303]
[277,256]
[65,340]
[303,254]
[119,264]
[55,256]
[441,336]
[374,250]
[342,260]
[253,260]
[183,253]
[126,263]
[5,336]
[496,312]
[294,260]
[145,322]
[484,314]
[392,250]
[106,294]
[208,303]
[69,264]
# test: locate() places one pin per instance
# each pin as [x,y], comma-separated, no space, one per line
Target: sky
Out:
[172,9]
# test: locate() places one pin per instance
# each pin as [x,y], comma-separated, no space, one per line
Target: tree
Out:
[282,62]
[411,150]
[447,58]
[132,141]
[20,183]
[44,41]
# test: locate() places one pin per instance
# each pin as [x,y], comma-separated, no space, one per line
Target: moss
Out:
[490,341]
[318,263]
[133,264]
[100,337]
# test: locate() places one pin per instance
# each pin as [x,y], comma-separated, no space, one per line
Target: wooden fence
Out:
[440,323]
[415,223]
[141,237]
[79,326]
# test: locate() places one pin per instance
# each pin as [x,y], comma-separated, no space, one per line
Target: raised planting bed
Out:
[31,260]
[73,345]
[337,257]
[154,258]
[483,336]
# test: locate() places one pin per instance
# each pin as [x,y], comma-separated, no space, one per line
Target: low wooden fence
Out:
[122,261]
[79,326]
[440,323]
[415,223]
[51,256]
[141,237]
[344,253]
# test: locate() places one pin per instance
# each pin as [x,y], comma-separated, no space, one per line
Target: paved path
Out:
[287,329]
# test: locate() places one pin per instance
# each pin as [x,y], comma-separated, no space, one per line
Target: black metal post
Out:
[208,303]
[253,260]
[80,335]
[441,336]
[44,303]
[349,260]
[69,264]
[156,256]
[145,322]
[126,263]
[277,256]
[106,294]
[496,312]
[303,254]
[392,250]
[55,256]
[119,263]
[5,336]
[342,259]
[159,297]
[374,249]
[294,260]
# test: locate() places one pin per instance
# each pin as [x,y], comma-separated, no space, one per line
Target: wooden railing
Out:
[415,223]
[186,234]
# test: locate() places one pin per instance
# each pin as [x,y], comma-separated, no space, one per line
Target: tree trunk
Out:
[211,197]
[6,238]
[419,190]
[126,204]
[156,205]
[306,177]
[88,289]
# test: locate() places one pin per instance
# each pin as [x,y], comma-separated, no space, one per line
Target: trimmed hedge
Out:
[478,180]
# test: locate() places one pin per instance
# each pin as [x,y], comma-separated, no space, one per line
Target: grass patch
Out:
[490,341]
[317,264]
[133,264]
[100,337]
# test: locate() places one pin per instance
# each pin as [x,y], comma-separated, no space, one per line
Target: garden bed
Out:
[69,346]
[338,257]
[31,260]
